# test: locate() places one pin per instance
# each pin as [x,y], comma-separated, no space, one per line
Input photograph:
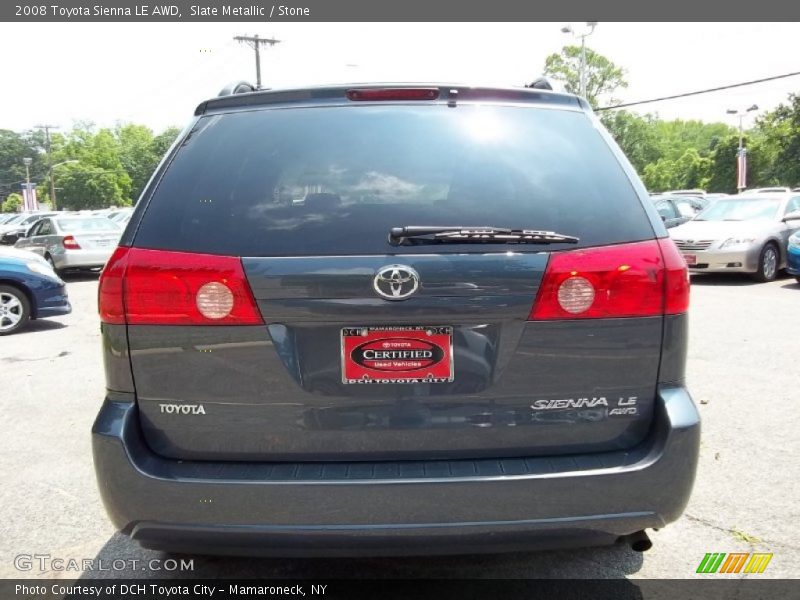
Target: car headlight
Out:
[42,269]
[794,241]
[730,242]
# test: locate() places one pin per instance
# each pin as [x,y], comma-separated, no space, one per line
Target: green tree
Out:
[678,136]
[86,187]
[636,136]
[778,136]
[99,179]
[723,164]
[163,141]
[13,203]
[603,77]
[13,148]
[136,154]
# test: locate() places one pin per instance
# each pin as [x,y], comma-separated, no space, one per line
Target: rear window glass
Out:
[334,180]
[76,225]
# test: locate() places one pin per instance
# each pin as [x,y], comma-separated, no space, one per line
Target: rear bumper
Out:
[70,259]
[411,507]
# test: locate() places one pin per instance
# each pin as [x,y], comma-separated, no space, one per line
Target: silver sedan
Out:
[72,242]
[740,234]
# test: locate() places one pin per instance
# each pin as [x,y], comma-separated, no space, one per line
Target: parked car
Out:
[695,192]
[10,236]
[793,256]
[72,242]
[121,216]
[21,221]
[768,190]
[469,336]
[740,234]
[676,210]
[29,289]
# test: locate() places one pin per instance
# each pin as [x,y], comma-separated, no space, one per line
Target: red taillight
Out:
[70,243]
[629,280]
[677,285]
[158,287]
[377,94]
[110,299]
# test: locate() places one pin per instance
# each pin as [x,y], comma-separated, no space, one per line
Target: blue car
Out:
[29,289]
[793,256]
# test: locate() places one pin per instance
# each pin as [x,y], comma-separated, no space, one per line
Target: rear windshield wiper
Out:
[459,234]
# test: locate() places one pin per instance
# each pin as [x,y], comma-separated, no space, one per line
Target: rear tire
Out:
[768,263]
[15,310]
[52,264]
[797,279]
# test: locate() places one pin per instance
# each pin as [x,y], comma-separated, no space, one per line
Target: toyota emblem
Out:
[396,282]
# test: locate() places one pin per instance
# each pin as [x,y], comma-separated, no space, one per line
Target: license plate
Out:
[401,354]
[691,259]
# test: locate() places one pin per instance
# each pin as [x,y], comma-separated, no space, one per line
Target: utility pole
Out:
[255,43]
[47,129]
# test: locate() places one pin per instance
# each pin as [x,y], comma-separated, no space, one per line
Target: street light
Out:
[583,35]
[741,179]
[53,181]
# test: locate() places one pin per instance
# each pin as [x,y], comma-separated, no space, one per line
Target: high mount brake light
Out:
[628,280]
[155,287]
[378,94]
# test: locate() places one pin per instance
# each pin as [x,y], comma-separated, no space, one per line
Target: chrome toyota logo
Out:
[396,282]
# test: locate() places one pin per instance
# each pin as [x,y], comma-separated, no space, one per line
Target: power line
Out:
[707,91]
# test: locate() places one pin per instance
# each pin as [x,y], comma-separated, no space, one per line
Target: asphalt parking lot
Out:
[742,373]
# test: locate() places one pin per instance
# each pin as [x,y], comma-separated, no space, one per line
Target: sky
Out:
[155,74]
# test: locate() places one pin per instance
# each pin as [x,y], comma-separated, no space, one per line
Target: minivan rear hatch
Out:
[355,346]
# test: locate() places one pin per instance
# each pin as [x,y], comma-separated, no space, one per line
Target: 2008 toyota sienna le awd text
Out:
[394,320]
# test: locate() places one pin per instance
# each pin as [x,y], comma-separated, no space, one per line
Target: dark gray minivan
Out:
[394,320]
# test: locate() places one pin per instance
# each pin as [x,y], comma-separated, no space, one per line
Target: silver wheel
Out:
[769,266]
[13,311]
[768,262]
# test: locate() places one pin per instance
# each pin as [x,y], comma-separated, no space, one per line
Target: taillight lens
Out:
[628,280]
[378,94]
[70,243]
[677,284]
[176,288]
[109,296]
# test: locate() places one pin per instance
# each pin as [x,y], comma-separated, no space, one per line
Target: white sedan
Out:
[72,242]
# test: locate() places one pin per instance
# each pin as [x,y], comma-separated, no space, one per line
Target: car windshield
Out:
[15,219]
[742,209]
[87,224]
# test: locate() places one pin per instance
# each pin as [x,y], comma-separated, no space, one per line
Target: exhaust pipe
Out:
[638,541]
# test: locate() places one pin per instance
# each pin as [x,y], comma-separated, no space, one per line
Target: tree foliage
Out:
[105,167]
[603,77]
[778,135]
[13,203]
